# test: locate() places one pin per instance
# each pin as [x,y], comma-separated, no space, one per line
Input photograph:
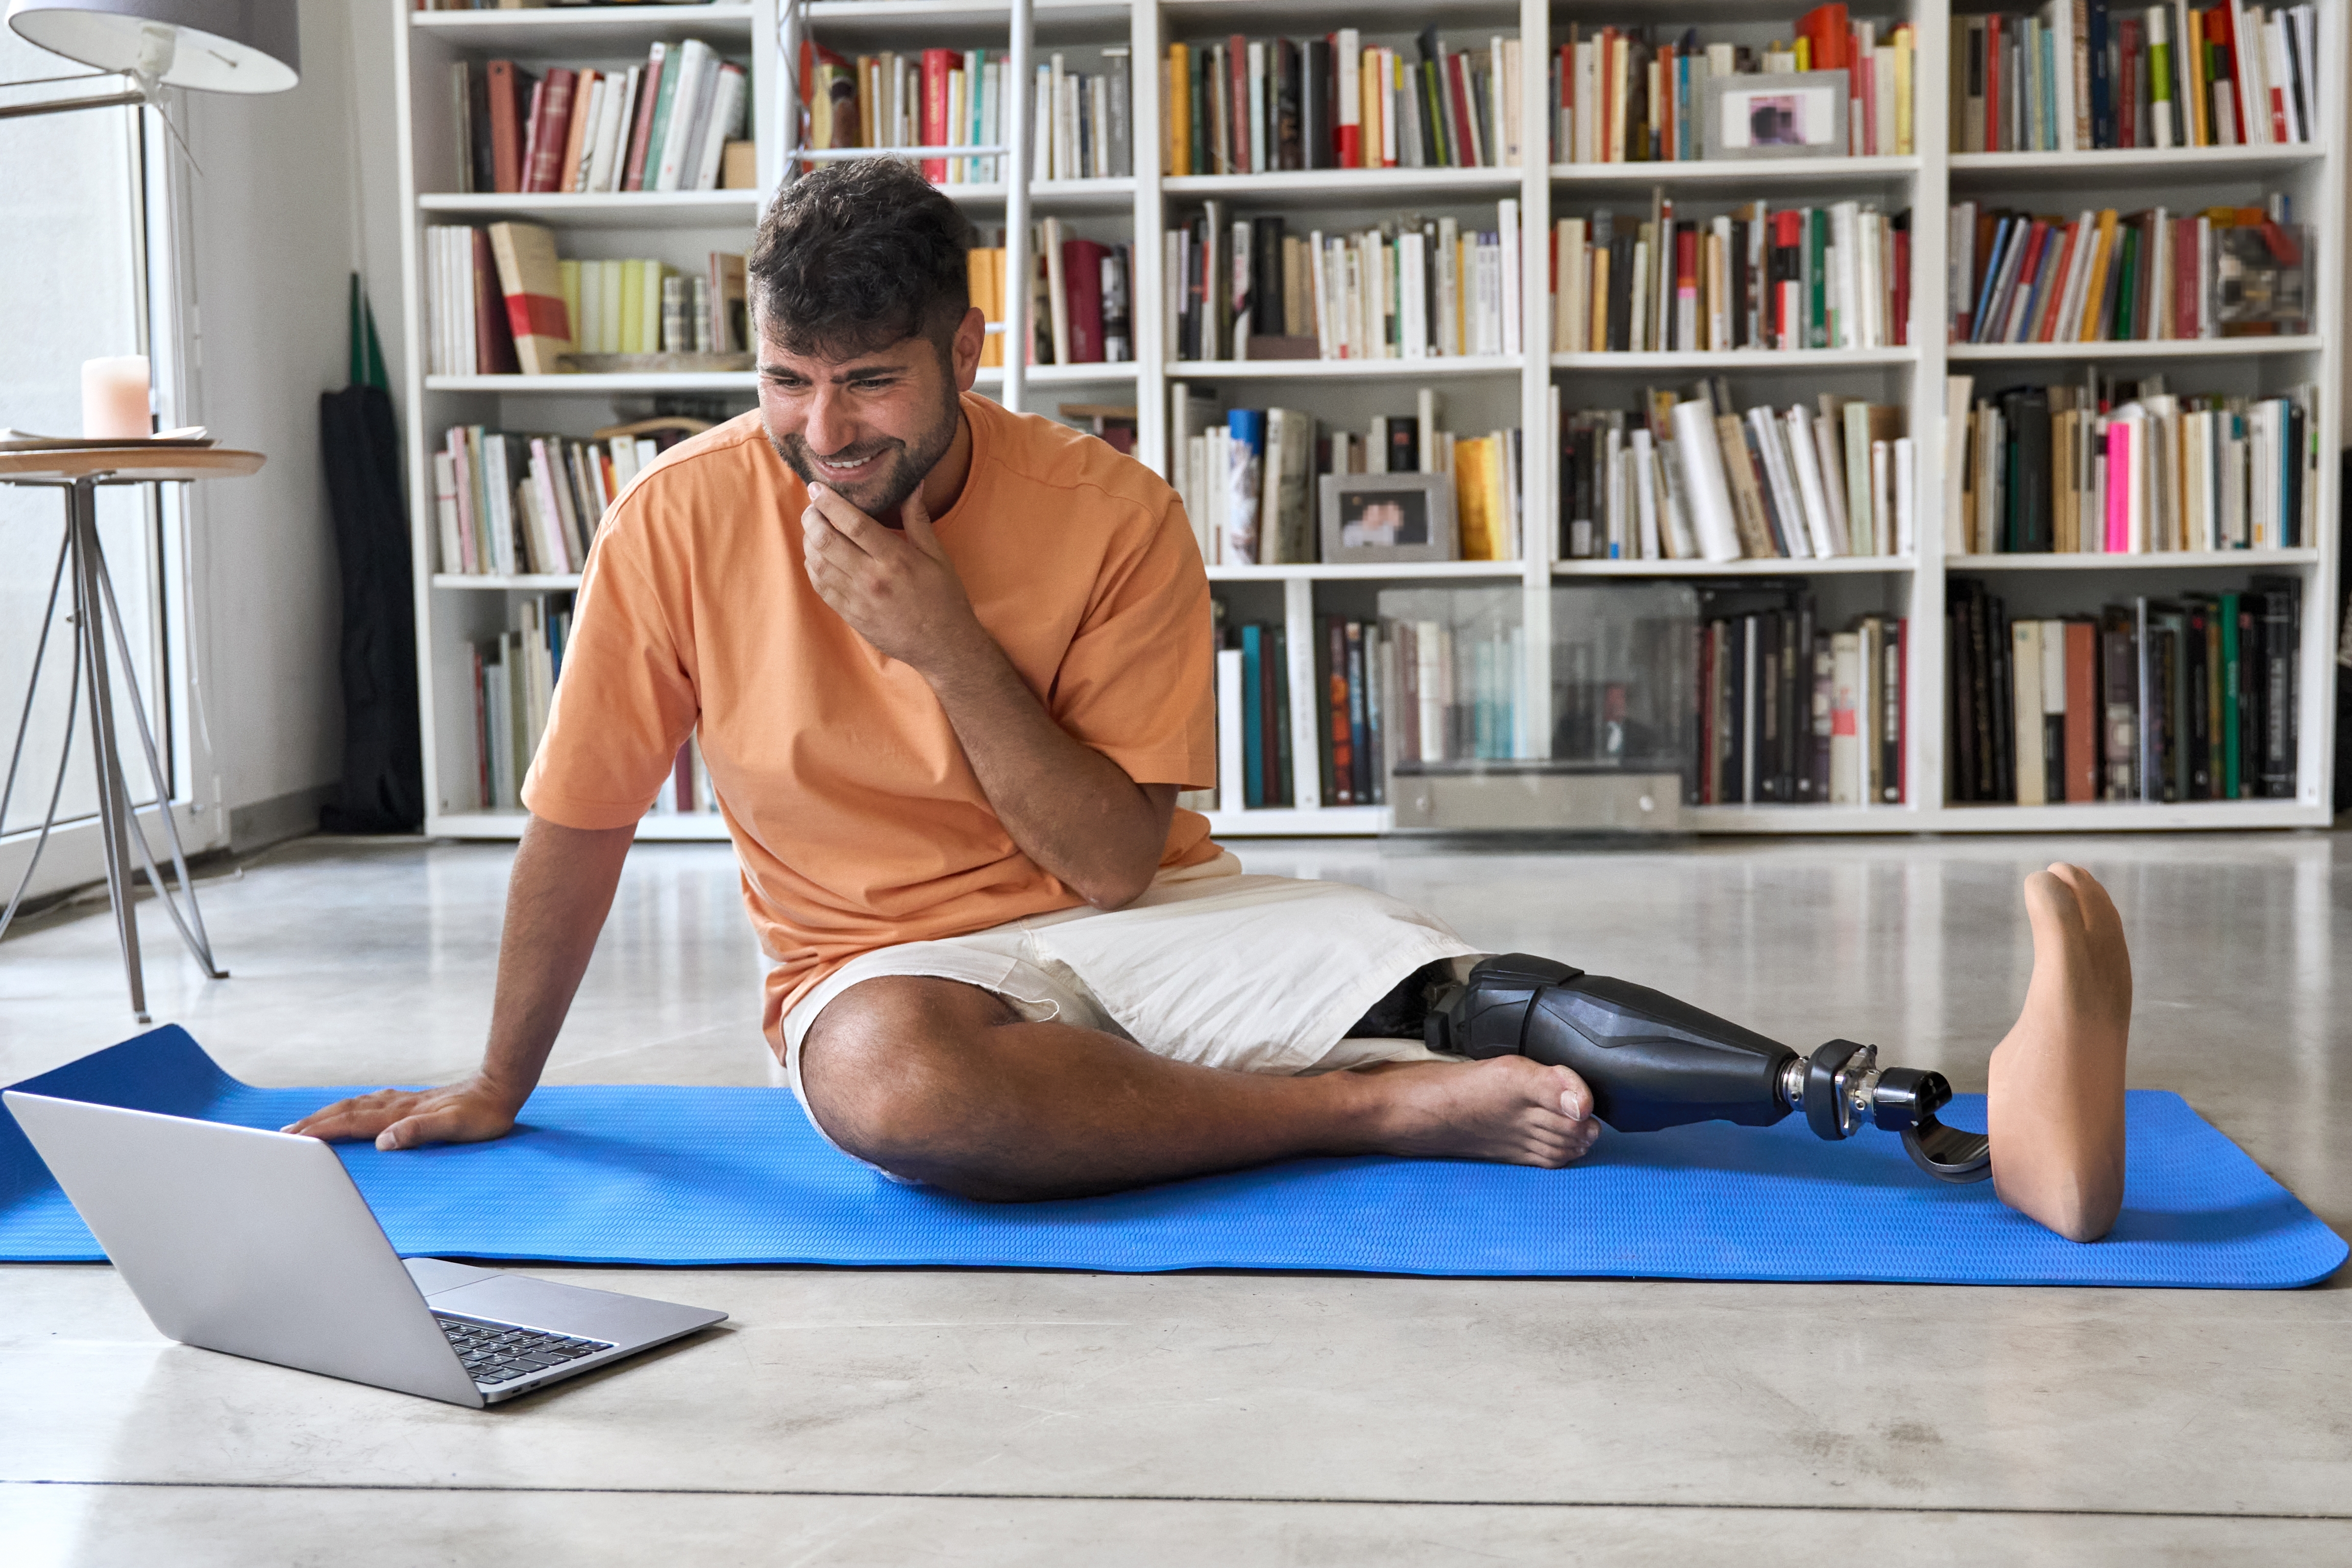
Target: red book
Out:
[2184,278]
[550,123]
[1082,262]
[937,64]
[1994,142]
[1237,98]
[1901,315]
[1829,29]
[1346,135]
[2222,38]
[1343,758]
[1459,90]
[494,347]
[2082,743]
[640,133]
[2129,65]
[506,127]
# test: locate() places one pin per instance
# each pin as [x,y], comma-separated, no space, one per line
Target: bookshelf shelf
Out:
[1063,374]
[1284,822]
[930,21]
[2153,560]
[1817,566]
[1725,175]
[586,385]
[1338,187]
[2159,348]
[1365,571]
[452,609]
[631,209]
[1342,369]
[2078,168]
[538,582]
[2109,817]
[1738,359]
[1053,196]
[576,28]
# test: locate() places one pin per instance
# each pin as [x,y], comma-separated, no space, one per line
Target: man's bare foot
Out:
[2055,1110]
[1506,1109]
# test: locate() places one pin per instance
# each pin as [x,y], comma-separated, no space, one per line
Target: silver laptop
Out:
[257,1244]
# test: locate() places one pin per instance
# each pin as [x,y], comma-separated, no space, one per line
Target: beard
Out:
[880,495]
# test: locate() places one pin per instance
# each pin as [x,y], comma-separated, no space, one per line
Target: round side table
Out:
[97,620]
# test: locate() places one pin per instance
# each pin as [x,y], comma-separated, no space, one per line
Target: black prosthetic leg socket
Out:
[1651,1061]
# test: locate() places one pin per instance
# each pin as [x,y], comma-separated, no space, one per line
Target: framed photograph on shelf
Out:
[1387,517]
[1799,115]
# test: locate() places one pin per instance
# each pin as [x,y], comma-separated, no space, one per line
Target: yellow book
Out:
[1804,53]
[567,278]
[2095,294]
[1596,331]
[1374,103]
[633,309]
[1904,65]
[1494,470]
[655,276]
[2193,67]
[1179,118]
[1473,497]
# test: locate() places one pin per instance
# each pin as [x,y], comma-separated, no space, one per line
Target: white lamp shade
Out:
[221,46]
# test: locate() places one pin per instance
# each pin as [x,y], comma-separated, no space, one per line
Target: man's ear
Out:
[971,333]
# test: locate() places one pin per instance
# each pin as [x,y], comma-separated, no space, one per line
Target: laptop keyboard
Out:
[497,1354]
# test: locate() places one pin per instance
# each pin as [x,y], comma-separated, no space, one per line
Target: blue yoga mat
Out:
[652,1174]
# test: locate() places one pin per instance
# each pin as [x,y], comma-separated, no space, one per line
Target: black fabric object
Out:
[383,786]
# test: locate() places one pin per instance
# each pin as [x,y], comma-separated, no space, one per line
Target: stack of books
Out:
[1621,97]
[1248,478]
[1079,292]
[1792,715]
[2129,468]
[1695,479]
[1835,277]
[2079,74]
[2190,698]
[1248,289]
[508,504]
[1246,106]
[956,98]
[514,686]
[2104,277]
[662,126]
[498,300]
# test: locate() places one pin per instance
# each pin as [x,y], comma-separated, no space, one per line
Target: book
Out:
[525,256]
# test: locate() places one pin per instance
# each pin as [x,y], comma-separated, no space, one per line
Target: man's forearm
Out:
[557,898]
[1071,809]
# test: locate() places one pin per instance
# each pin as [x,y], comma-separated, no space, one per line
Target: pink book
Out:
[2118,488]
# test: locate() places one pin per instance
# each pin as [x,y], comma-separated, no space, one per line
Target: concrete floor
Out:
[908,1416]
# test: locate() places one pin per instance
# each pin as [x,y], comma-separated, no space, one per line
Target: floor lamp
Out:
[207,46]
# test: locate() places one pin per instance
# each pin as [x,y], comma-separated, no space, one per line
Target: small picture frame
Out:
[1387,517]
[1801,114]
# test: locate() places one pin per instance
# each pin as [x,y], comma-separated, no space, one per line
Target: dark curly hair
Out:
[857,256]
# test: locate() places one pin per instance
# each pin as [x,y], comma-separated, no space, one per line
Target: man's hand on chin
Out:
[895,586]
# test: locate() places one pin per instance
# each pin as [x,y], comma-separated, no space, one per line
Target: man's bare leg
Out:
[942,1082]
[2055,1106]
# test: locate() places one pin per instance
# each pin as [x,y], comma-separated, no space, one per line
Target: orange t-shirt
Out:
[856,819]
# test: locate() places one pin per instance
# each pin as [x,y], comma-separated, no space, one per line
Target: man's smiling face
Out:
[870,425]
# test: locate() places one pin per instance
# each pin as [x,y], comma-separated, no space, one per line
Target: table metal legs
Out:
[97,620]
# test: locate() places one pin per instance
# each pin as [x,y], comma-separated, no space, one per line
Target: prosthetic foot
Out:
[1654,1062]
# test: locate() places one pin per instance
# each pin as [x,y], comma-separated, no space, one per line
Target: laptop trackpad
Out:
[433,1274]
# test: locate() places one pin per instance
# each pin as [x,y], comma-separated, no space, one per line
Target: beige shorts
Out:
[1248,973]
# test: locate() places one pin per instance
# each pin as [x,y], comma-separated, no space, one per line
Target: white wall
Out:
[297,191]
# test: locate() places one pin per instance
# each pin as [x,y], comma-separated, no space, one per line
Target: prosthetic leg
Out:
[1654,1062]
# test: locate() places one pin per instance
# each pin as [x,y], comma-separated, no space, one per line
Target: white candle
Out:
[114,399]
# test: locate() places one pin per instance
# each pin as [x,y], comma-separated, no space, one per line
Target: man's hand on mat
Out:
[896,587]
[465,1112]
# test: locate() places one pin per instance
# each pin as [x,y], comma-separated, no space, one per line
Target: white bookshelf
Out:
[453,609]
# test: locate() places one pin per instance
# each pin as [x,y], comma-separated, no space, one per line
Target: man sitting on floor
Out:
[949,666]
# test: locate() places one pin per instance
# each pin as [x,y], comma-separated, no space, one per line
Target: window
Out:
[74,244]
